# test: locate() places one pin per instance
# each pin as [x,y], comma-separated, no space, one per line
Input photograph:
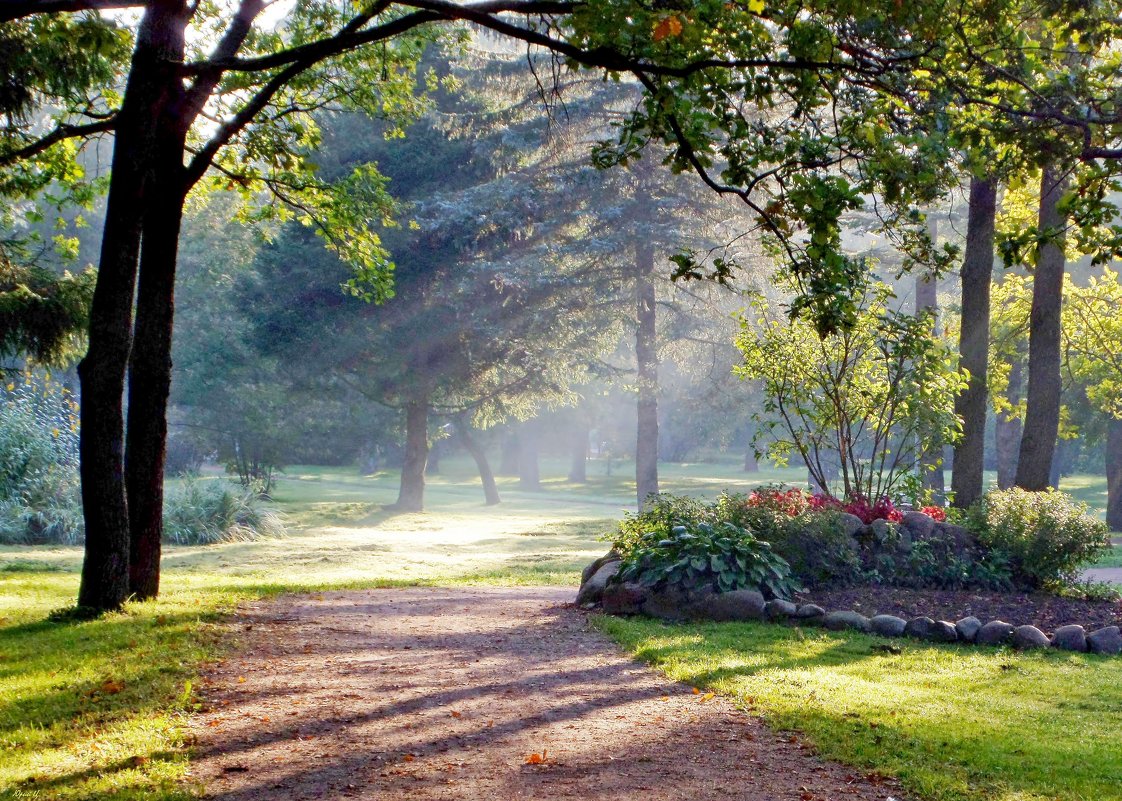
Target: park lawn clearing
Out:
[951,723]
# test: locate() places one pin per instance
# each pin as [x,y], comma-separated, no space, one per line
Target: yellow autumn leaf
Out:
[665,28]
[756,6]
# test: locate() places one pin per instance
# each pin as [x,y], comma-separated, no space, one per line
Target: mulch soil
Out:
[477,694]
[1046,612]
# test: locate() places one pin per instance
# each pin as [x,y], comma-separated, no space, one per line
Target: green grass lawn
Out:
[95,709]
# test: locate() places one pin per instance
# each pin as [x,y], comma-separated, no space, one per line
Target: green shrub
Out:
[657,521]
[1048,536]
[39,490]
[206,512]
[721,557]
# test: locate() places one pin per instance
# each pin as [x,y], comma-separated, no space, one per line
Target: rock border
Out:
[628,598]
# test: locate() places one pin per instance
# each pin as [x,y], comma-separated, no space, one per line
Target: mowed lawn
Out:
[95,709]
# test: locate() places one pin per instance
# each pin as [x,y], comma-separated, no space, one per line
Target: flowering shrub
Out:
[791,502]
[936,513]
[883,509]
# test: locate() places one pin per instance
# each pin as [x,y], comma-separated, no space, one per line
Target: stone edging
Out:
[625,598]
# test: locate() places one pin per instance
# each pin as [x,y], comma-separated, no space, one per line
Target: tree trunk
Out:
[1008,428]
[930,462]
[751,463]
[150,379]
[1042,412]
[153,78]
[432,464]
[646,355]
[508,456]
[578,467]
[411,495]
[1114,473]
[967,480]
[529,473]
[490,488]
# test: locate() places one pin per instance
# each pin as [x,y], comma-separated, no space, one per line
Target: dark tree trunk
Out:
[930,462]
[529,473]
[508,456]
[1059,462]
[490,488]
[411,495]
[1007,429]
[1114,473]
[153,78]
[150,381]
[432,464]
[1042,411]
[967,480]
[578,467]
[646,355]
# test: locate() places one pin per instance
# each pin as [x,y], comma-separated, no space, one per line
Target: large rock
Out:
[1105,641]
[735,605]
[623,598]
[888,625]
[942,631]
[968,628]
[996,632]
[883,532]
[1026,638]
[961,537]
[670,603]
[810,613]
[778,609]
[918,524]
[840,621]
[596,564]
[919,627]
[1070,638]
[592,590]
[851,524]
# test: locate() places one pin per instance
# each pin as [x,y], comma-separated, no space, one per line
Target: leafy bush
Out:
[39,491]
[658,520]
[206,512]
[1048,536]
[721,557]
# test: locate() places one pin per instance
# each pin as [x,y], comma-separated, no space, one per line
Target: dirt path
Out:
[444,694]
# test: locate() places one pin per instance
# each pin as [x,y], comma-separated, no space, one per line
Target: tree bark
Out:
[486,476]
[1007,429]
[578,467]
[508,456]
[529,473]
[967,482]
[152,80]
[646,355]
[411,495]
[1042,412]
[150,379]
[1114,473]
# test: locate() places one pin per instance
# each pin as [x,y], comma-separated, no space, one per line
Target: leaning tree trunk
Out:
[150,379]
[529,472]
[152,77]
[486,476]
[411,495]
[967,481]
[578,466]
[1042,411]
[930,461]
[1114,473]
[646,355]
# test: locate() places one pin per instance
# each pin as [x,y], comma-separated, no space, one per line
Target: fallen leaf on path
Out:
[536,759]
[112,687]
[707,697]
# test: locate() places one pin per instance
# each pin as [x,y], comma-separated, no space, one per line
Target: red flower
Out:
[937,513]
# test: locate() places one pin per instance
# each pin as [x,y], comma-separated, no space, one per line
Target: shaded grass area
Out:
[1112,558]
[952,723]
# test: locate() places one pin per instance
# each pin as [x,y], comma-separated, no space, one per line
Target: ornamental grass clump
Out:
[207,512]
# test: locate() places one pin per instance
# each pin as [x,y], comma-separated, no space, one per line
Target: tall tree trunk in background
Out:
[1114,473]
[967,482]
[150,378]
[508,457]
[646,355]
[153,77]
[578,466]
[930,460]
[1042,412]
[529,473]
[1059,462]
[432,463]
[486,476]
[1008,428]
[411,495]
[751,463]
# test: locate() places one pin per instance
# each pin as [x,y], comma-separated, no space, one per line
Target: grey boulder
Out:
[850,524]
[918,627]
[942,631]
[778,609]
[735,605]
[888,625]
[669,604]
[968,628]
[596,564]
[623,598]
[1070,638]
[1105,641]
[919,524]
[810,613]
[839,621]
[996,632]
[592,590]
[1026,638]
